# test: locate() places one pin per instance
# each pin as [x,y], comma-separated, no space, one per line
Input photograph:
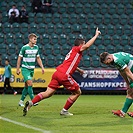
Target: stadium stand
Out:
[3,48]
[64,18]
[13,59]
[62,39]
[59,28]
[56,50]
[39,18]
[59,59]
[51,61]
[86,61]
[15,28]
[95,61]
[54,39]
[11,49]
[70,19]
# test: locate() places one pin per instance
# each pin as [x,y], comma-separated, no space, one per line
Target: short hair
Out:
[78,41]
[32,35]
[7,60]
[103,56]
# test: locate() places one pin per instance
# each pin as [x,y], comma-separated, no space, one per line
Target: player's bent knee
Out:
[130,93]
[29,82]
[77,92]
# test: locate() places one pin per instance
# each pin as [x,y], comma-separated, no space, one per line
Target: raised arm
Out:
[91,41]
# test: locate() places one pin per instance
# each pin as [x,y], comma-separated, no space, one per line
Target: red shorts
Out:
[66,80]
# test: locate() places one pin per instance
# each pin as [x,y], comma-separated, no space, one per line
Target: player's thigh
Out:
[26,74]
[31,73]
[54,83]
[6,81]
[70,84]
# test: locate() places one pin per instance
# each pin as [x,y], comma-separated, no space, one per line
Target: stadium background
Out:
[71,19]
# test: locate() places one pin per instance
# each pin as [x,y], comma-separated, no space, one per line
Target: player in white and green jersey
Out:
[29,53]
[124,63]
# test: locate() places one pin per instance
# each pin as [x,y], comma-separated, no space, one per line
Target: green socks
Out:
[30,92]
[127,104]
[24,93]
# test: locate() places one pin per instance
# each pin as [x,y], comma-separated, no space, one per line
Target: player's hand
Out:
[97,32]
[84,75]
[42,70]
[18,72]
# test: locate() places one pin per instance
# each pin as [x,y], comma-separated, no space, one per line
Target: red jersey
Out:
[71,61]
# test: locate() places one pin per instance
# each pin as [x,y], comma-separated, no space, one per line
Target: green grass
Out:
[92,114]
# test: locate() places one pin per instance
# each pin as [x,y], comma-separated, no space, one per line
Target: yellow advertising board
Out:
[39,80]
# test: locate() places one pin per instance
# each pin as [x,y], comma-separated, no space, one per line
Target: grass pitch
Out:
[92,114]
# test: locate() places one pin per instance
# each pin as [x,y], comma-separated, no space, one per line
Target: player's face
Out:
[108,60]
[33,40]
[6,62]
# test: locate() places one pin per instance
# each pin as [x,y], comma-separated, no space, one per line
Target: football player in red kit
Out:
[63,76]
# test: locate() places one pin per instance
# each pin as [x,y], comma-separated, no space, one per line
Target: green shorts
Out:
[27,74]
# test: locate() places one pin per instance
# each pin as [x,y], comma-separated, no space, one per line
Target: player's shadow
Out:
[6,110]
[119,121]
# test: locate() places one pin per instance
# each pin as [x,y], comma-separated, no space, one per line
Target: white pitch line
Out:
[24,125]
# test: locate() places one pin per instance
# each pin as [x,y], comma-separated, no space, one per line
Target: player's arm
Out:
[128,73]
[39,61]
[124,75]
[80,70]
[18,65]
[91,41]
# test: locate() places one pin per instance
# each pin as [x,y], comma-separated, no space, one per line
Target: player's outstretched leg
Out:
[43,95]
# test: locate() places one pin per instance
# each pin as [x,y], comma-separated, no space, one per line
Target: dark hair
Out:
[103,56]
[7,60]
[78,41]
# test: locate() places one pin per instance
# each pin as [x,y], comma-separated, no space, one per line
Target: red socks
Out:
[68,104]
[37,98]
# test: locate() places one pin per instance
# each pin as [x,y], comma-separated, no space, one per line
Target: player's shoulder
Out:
[36,46]
[25,46]
[9,66]
[76,48]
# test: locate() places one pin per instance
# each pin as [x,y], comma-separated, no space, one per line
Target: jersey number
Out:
[68,55]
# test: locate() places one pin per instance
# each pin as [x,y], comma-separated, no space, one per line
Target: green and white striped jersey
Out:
[123,60]
[29,55]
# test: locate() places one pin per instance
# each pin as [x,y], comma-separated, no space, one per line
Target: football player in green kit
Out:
[124,63]
[29,53]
